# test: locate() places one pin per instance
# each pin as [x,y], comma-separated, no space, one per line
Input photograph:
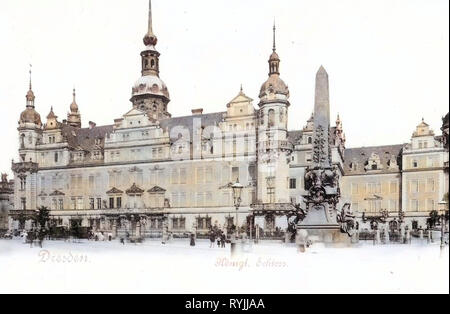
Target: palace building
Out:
[148,171]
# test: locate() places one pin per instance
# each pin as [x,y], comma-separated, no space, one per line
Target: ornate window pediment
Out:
[156,190]
[57,193]
[393,164]
[134,190]
[374,163]
[114,191]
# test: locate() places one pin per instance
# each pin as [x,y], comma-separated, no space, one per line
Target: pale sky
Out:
[388,60]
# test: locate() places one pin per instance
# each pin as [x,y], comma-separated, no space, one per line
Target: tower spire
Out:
[150,21]
[30,95]
[274,36]
[274,60]
[150,39]
[30,77]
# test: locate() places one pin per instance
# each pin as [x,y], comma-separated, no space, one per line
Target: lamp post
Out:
[443,205]
[237,192]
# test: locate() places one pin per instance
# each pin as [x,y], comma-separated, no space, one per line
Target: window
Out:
[430,205]
[179,223]
[354,188]
[309,140]
[209,175]
[393,187]
[74,203]
[271,194]
[393,205]
[201,223]
[199,199]
[183,176]
[374,205]
[414,186]
[119,202]
[200,178]
[23,183]
[99,203]
[174,176]
[308,157]
[61,204]
[234,174]
[91,182]
[415,205]
[23,203]
[80,203]
[54,204]
[91,203]
[56,157]
[374,187]
[430,185]
[292,184]
[415,164]
[111,202]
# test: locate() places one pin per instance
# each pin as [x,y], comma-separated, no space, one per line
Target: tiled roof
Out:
[84,139]
[361,155]
[211,119]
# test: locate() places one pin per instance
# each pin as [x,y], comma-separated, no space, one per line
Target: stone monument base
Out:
[330,236]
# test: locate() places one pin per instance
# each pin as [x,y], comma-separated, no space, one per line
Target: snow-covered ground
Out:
[109,267]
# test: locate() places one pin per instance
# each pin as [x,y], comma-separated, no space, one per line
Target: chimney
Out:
[197,112]
[92,125]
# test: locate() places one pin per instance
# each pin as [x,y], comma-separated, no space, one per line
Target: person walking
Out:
[212,238]
[192,239]
[222,240]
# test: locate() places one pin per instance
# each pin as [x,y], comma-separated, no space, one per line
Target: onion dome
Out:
[274,87]
[30,115]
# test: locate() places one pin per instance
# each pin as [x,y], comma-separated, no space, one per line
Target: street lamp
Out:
[443,205]
[237,192]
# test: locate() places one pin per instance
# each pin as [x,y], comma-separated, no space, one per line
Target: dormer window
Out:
[374,162]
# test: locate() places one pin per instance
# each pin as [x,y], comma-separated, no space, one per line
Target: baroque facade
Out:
[149,171]
[6,200]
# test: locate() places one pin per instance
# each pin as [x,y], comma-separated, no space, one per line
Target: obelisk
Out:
[322,120]
[320,223]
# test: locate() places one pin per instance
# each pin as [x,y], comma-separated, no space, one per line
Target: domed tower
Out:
[30,128]
[273,147]
[30,136]
[150,93]
[74,116]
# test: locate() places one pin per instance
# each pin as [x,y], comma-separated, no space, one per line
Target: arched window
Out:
[153,63]
[271,118]
[309,140]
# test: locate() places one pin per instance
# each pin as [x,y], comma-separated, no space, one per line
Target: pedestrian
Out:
[212,238]
[223,240]
[122,241]
[192,239]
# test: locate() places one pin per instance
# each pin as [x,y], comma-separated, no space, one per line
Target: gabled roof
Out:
[240,98]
